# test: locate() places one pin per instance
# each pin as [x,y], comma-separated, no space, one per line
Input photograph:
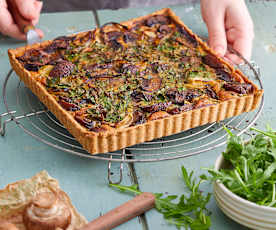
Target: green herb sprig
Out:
[253,175]
[189,211]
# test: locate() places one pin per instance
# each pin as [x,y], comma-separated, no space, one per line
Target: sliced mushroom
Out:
[62,69]
[115,44]
[177,110]
[241,88]
[47,212]
[210,92]
[140,96]
[191,94]
[151,85]
[176,97]
[212,61]
[223,75]
[33,59]
[187,36]
[130,37]
[62,42]
[85,122]
[157,19]
[164,29]
[138,118]
[156,107]
[113,35]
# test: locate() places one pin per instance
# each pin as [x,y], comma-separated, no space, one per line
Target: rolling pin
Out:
[123,213]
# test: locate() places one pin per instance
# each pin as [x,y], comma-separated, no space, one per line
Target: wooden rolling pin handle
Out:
[123,213]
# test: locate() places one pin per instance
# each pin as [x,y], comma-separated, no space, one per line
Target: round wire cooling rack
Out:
[25,110]
[38,122]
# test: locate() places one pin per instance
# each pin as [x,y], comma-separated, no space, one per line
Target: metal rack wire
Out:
[26,111]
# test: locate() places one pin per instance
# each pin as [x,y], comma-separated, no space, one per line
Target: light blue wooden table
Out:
[85,180]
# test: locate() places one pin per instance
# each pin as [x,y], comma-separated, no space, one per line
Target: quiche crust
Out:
[118,138]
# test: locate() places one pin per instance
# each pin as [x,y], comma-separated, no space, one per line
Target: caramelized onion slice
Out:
[114,24]
[69,106]
[126,122]
[158,115]
[44,71]
[203,102]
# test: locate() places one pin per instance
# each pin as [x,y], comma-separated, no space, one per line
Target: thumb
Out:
[217,35]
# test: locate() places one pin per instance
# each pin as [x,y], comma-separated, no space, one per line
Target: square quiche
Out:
[130,82]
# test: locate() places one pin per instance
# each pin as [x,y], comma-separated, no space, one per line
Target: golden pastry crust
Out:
[115,138]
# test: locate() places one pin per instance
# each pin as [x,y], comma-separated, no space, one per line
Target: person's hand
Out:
[29,10]
[228,22]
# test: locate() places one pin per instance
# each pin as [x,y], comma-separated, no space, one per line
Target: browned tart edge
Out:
[116,139]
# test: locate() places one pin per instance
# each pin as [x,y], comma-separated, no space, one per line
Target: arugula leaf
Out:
[253,172]
[234,146]
[189,211]
[131,189]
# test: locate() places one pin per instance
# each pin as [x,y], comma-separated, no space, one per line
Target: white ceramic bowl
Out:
[240,210]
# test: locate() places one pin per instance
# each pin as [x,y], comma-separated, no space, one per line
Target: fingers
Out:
[228,22]
[38,6]
[7,25]
[217,36]
[29,9]
[240,30]
[241,41]
[40,33]
[233,58]
[214,19]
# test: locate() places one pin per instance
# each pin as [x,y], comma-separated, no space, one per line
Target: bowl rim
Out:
[251,204]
